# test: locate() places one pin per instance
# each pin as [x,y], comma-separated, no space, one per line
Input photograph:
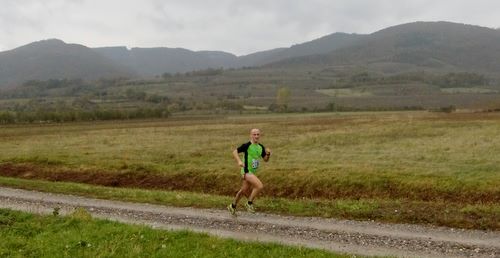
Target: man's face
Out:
[255,135]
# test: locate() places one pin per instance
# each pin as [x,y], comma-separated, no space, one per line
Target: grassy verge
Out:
[28,235]
[478,216]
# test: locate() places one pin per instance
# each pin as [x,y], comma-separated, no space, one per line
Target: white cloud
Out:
[236,26]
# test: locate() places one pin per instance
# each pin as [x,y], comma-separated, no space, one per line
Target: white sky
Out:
[236,26]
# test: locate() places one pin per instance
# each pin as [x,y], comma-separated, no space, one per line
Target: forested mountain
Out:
[54,59]
[156,61]
[432,45]
[429,46]
[319,46]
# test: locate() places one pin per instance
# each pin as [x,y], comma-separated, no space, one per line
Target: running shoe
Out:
[250,208]
[231,210]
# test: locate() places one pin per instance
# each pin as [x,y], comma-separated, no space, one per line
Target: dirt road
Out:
[353,237]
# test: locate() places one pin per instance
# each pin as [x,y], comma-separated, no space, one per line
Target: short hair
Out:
[255,129]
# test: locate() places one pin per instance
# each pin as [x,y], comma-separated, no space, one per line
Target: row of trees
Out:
[8,117]
[203,72]
[83,108]
[448,80]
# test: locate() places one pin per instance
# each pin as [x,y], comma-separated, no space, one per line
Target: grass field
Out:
[78,235]
[415,167]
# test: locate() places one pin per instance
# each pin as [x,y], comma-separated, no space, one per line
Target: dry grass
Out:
[384,154]
[415,156]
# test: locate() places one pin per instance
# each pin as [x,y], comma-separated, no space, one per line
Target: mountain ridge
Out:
[54,59]
[433,46]
[422,44]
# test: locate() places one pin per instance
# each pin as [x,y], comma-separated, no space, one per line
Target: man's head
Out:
[255,135]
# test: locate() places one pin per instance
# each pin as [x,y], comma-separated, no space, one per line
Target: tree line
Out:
[74,115]
[448,80]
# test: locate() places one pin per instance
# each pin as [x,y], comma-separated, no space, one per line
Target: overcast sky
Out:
[236,26]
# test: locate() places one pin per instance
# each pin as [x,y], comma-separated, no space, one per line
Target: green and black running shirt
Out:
[252,154]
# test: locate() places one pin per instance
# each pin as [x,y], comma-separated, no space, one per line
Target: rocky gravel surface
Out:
[353,237]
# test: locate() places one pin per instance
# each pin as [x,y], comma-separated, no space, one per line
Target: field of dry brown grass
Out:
[418,160]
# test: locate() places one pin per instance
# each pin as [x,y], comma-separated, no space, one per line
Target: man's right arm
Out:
[237,158]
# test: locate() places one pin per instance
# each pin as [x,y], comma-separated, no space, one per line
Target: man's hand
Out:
[268,155]
[237,158]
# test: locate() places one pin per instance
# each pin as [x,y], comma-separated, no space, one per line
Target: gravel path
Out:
[365,238]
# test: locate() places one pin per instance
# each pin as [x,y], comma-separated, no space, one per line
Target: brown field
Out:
[418,160]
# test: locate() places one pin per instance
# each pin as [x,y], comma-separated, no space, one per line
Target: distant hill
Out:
[433,45]
[319,46]
[54,59]
[429,46]
[156,61]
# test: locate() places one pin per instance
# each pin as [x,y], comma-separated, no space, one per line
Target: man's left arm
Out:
[267,155]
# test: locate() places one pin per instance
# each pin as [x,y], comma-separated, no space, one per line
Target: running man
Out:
[253,152]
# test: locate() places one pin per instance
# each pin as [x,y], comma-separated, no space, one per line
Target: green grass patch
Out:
[28,235]
[479,216]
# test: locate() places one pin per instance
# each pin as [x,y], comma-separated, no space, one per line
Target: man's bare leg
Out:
[256,185]
[243,191]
